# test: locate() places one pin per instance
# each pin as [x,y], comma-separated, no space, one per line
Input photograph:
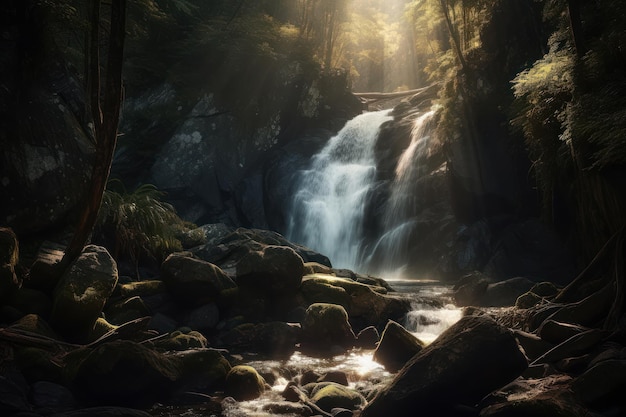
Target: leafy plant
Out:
[139,223]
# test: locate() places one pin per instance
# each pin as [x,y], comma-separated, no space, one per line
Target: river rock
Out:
[82,291]
[326,330]
[244,383]
[203,370]
[276,270]
[275,339]
[364,305]
[126,373]
[470,289]
[396,347]
[193,282]
[505,293]
[469,360]
[330,395]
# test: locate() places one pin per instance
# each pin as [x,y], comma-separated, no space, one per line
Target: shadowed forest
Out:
[312,207]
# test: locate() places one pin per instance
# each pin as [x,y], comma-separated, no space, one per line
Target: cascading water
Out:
[391,252]
[327,210]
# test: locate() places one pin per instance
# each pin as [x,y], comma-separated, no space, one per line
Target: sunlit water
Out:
[432,314]
[327,210]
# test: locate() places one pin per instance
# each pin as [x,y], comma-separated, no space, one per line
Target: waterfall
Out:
[391,253]
[327,210]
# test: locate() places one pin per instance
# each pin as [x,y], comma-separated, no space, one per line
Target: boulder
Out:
[528,300]
[330,395]
[48,395]
[326,330]
[364,305]
[396,347]
[275,339]
[82,291]
[127,374]
[203,370]
[505,293]
[470,289]
[469,360]
[193,282]
[276,270]
[244,383]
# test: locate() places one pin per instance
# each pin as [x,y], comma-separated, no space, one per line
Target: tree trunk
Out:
[453,35]
[105,119]
[576,26]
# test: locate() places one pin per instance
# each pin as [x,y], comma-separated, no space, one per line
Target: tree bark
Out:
[576,26]
[105,111]
[453,34]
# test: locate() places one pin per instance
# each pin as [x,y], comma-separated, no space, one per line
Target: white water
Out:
[391,254]
[327,211]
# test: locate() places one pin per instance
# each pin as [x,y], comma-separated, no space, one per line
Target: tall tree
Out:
[105,106]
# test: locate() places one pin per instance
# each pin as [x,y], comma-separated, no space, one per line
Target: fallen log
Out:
[418,93]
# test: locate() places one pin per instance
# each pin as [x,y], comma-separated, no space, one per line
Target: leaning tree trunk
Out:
[105,109]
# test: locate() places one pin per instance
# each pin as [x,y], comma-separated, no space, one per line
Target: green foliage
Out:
[140,223]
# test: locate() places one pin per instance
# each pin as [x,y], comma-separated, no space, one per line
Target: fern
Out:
[140,223]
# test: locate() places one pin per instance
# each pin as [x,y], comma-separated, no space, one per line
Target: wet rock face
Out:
[396,347]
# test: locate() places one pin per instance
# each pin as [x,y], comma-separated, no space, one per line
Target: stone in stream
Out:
[244,383]
[276,270]
[397,345]
[505,293]
[469,360]
[326,330]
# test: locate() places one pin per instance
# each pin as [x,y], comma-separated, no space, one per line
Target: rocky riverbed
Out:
[247,323]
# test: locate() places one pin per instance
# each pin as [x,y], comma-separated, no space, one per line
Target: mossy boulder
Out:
[326,330]
[193,282]
[396,347]
[332,395]
[244,383]
[82,292]
[276,270]
[180,340]
[275,339]
[203,370]
[364,304]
